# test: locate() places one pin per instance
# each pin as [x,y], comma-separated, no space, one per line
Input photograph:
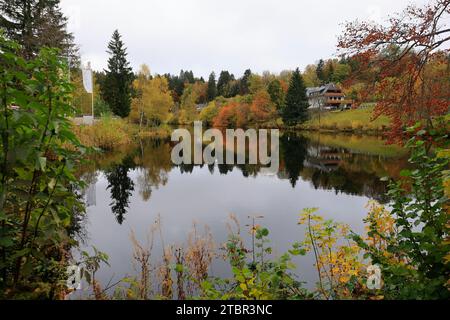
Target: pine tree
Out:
[212,90]
[296,104]
[35,24]
[330,72]
[116,88]
[189,76]
[223,83]
[244,82]
[320,71]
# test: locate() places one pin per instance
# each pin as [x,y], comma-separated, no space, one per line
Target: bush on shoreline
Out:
[108,133]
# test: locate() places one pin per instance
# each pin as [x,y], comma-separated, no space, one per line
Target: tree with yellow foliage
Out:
[188,111]
[153,100]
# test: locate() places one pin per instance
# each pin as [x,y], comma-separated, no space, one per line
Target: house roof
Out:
[322,89]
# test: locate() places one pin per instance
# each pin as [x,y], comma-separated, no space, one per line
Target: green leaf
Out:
[421,132]
[52,184]
[6,242]
[405,173]
[179,267]
[21,253]
[41,163]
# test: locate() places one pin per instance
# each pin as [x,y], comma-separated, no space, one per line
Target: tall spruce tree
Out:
[35,24]
[223,83]
[320,71]
[244,82]
[212,89]
[116,87]
[296,104]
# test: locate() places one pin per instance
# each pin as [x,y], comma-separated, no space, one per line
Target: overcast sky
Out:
[206,35]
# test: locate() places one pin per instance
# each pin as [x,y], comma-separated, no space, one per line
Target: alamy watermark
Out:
[222,150]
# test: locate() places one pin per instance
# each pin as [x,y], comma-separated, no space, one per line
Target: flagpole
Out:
[89,86]
[92,96]
[92,101]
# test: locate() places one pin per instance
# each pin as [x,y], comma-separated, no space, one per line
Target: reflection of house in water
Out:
[89,192]
[324,158]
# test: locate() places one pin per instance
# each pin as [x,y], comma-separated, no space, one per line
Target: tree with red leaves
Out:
[409,60]
[262,108]
[226,116]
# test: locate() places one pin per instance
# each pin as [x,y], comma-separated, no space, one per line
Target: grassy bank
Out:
[110,133]
[107,133]
[358,120]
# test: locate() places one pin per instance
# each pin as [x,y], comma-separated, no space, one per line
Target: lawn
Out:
[348,120]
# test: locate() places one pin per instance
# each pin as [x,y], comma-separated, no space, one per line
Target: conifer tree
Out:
[212,89]
[35,24]
[244,82]
[223,84]
[116,88]
[320,71]
[296,104]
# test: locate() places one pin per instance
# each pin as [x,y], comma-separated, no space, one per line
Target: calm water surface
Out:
[127,190]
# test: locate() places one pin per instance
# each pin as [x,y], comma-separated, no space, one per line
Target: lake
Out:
[127,190]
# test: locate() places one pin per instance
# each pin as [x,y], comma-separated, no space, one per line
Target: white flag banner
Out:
[87,79]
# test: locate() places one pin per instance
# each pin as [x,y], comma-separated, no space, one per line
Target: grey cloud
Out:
[205,35]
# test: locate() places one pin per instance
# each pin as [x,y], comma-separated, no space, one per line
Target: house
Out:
[199,107]
[327,97]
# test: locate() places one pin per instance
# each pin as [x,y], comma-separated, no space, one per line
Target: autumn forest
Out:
[94,207]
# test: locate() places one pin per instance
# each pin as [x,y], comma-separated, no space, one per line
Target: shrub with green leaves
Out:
[419,241]
[37,185]
[261,278]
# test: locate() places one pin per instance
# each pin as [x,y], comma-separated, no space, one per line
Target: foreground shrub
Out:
[38,198]
[108,133]
[411,244]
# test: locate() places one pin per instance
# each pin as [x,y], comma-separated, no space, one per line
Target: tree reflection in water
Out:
[293,151]
[121,187]
[328,166]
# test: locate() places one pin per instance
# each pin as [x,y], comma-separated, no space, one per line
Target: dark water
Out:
[129,189]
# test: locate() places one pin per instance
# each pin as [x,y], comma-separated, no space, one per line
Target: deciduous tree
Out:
[310,76]
[153,99]
[402,51]
[276,93]
[188,111]
[262,108]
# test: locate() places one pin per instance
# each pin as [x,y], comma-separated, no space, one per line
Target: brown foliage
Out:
[410,72]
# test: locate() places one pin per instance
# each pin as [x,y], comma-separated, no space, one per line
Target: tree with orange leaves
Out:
[262,108]
[409,61]
[226,116]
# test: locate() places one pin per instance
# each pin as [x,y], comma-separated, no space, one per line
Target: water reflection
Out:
[293,150]
[121,186]
[344,164]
